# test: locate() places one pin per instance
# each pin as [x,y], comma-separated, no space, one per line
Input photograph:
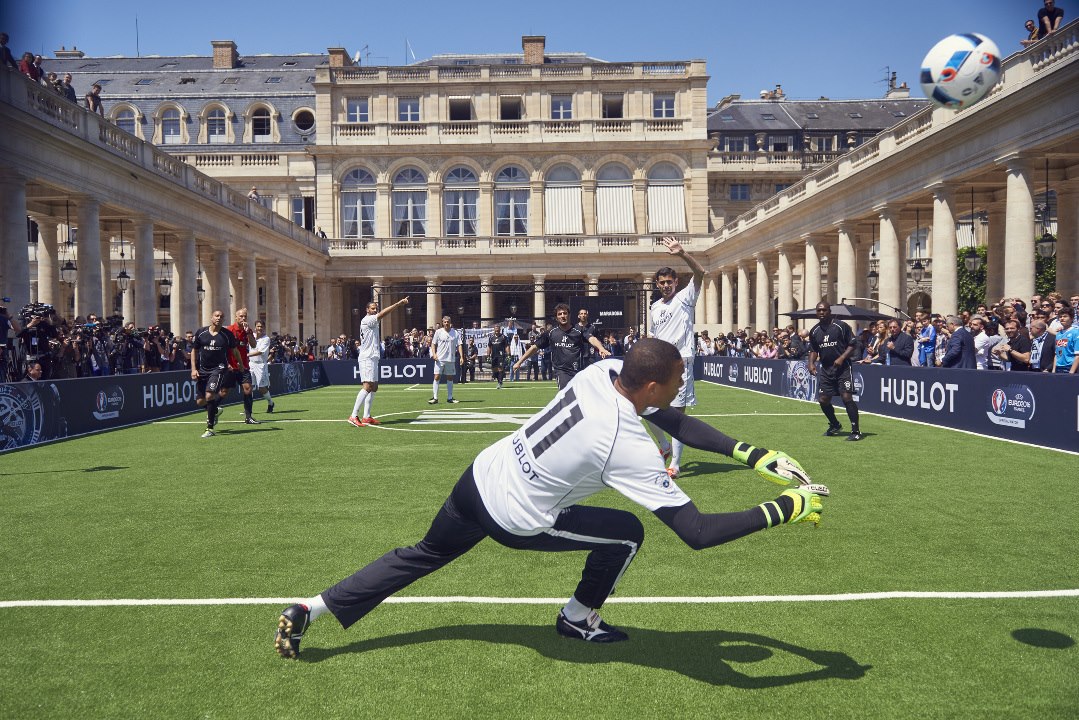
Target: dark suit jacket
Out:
[900,355]
[1048,358]
[960,351]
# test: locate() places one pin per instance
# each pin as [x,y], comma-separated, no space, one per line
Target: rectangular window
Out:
[410,213]
[357,111]
[511,212]
[145,81]
[734,144]
[408,109]
[612,107]
[273,79]
[460,109]
[663,106]
[358,214]
[740,191]
[561,107]
[780,144]
[510,107]
[303,211]
[780,187]
[230,81]
[824,144]
[460,212]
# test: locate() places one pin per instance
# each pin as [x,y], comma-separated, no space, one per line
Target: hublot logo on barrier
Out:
[410,372]
[757,375]
[915,394]
[163,394]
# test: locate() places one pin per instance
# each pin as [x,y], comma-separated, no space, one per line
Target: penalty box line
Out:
[435,600]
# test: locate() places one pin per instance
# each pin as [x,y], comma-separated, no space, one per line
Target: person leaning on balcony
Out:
[93,100]
[6,58]
[1049,19]
[1032,34]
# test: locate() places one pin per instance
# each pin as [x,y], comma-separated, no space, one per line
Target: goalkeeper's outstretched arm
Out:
[704,530]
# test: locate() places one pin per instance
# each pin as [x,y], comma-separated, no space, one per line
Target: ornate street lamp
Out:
[917,270]
[68,272]
[122,278]
[1047,243]
[199,290]
[971,260]
[166,272]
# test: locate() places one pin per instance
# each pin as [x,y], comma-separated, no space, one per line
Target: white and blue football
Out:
[960,70]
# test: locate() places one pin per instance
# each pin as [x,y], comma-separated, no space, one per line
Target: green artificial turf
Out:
[289,507]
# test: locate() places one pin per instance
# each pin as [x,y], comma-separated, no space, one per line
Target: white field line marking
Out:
[508,421]
[714,600]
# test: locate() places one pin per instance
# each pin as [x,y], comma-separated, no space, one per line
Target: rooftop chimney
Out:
[339,57]
[533,46]
[64,54]
[225,55]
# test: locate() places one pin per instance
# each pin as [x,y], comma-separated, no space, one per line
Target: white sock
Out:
[575,611]
[661,438]
[367,404]
[317,606]
[676,452]
[360,397]
[434,389]
[449,389]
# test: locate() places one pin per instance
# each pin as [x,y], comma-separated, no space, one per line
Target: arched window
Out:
[171,127]
[562,201]
[460,197]
[512,193]
[614,200]
[410,203]
[261,126]
[217,126]
[666,199]
[125,120]
[358,204]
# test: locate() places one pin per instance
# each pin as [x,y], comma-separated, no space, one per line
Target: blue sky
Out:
[834,48]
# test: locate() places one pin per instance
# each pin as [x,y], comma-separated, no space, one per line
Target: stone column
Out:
[647,282]
[763,284]
[14,258]
[310,321]
[185,270]
[433,225]
[88,286]
[434,301]
[106,276]
[48,270]
[383,211]
[292,303]
[487,298]
[535,210]
[846,263]
[324,324]
[861,265]
[592,285]
[588,206]
[995,253]
[743,295]
[128,304]
[539,297]
[250,298]
[726,302]
[811,290]
[221,288]
[891,260]
[945,292]
[1067,242]
[273,297]
[485,226]
[786,287]
[142,282]
[710,299]
[640,204]
[1019,230]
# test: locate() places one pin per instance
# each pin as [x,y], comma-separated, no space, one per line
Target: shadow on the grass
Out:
[281,412]
[709,656]
[695,468]
[96,468]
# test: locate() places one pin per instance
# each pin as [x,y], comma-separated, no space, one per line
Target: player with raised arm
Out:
[524,492]
[239,362]
[447,351]
[210,367]
[832,343]
[673,316]
[367,361]
[567,345]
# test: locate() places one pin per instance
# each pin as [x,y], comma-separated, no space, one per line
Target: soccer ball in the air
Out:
[960,70]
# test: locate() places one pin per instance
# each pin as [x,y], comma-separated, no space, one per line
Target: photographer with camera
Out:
[38,336]
[67,357]
[152,349]
[127,349]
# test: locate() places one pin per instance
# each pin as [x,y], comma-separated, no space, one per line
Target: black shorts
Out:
[832,380]
[498,363]
[563,377]
[213,381]
[240,376]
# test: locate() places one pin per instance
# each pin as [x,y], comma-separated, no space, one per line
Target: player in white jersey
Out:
[672,320]
[256,358]
[522,492]
[367,360]
[446,351]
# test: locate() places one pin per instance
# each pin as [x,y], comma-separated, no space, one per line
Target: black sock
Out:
[249,401]
[211,413]
[852,413]
[829,412]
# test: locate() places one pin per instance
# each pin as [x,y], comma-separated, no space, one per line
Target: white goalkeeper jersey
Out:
[673,321]
[587,439]
[444,345]
[369,338]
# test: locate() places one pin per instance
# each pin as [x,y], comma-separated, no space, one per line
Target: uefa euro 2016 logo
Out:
[1011,406]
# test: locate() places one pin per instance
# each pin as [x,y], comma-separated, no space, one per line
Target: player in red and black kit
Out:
[210,367]
[239,364]
[833,343]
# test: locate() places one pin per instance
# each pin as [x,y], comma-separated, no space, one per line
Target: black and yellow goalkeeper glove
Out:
[793,506]
[777,467]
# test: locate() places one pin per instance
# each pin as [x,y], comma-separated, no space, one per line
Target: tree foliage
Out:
[972,285]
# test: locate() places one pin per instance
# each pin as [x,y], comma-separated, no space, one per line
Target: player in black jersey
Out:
[497,347]
[832,343]
[567,344]
[210,366]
